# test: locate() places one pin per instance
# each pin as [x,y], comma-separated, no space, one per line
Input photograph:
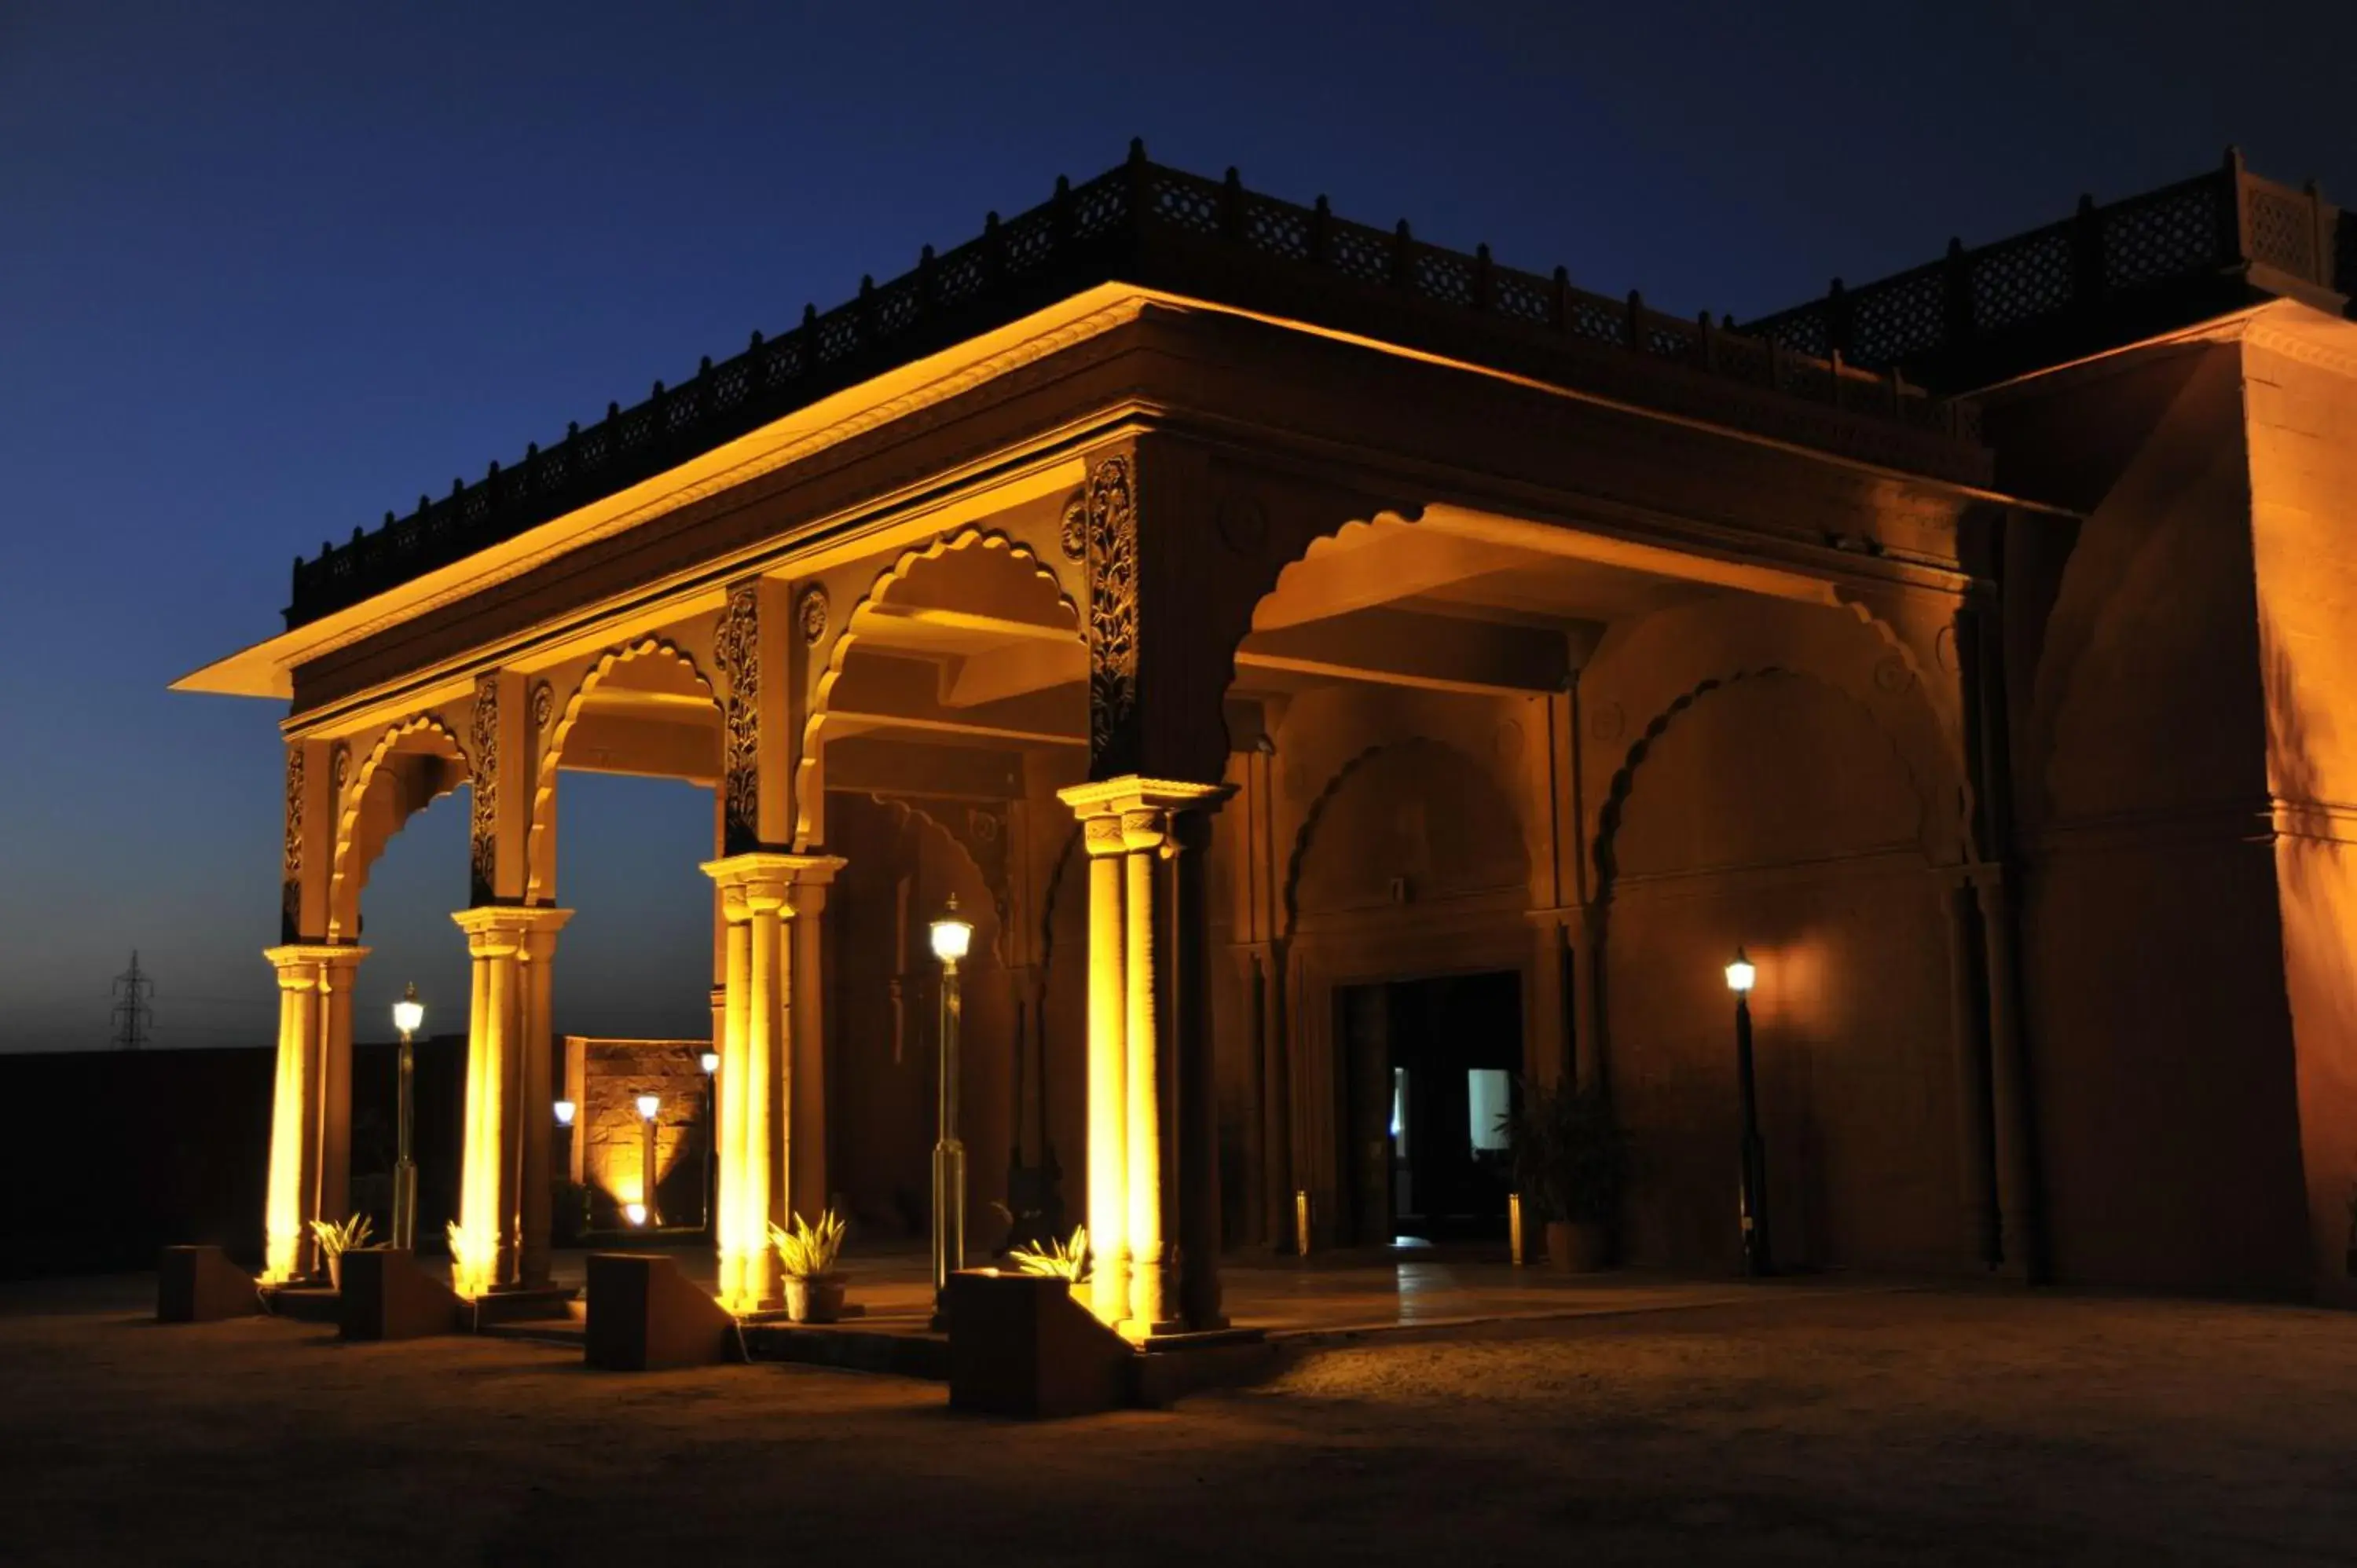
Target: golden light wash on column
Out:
[532,1122]
[481,1243]
[733,1252]
[1144,831]
[1107,1067]
[756,1092]
[300,1115]
[1133,962]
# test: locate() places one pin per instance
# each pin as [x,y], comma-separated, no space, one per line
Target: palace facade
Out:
[1335,674]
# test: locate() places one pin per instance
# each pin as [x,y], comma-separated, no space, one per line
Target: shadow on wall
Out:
[1773,812]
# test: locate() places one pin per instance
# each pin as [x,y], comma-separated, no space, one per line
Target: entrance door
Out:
[1430,1068]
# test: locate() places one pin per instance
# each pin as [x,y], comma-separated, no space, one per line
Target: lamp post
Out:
[408,1016]
[950,938]
[576,1208]
[1752,1200]
[651,1212]
[710,1063]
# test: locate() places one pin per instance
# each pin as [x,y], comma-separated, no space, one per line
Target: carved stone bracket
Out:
[736,648]
[1111,541]
[483,859]
[290,874]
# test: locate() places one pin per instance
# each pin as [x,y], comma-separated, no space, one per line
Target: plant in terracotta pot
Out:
[337,1239]
[806,1256]
[1570,1162]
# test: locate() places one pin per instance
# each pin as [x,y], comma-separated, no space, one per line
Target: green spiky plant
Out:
[1062,1260]
[808,1252]
[337,1238]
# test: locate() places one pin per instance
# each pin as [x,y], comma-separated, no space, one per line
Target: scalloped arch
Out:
[844,639]
[343,888]
[1624,777]
[538,882]
[1316,814]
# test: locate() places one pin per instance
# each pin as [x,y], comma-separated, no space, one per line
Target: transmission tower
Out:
[134,1021]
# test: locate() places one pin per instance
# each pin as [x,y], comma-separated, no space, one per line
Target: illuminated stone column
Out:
[308,1128]
[761,893]
[1144,833]
[536,1103]
[486,1245]
[805,1167]
[1148,1031]
[728,1151]
[1107,1087]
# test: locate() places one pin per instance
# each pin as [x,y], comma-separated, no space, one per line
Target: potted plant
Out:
[1066,1261]
[806,1255]
[1569,1162]
[335,1239]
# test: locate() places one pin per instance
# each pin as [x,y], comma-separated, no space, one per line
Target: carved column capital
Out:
[760,882]
[301,965]
[500,931]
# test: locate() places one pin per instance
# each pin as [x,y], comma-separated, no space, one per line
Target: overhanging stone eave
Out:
[265,668]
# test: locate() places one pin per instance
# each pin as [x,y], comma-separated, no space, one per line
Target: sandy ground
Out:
[1932,1427]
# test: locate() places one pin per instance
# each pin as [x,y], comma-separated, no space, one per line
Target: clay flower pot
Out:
[1576,1246]
[335,1272]
[816,1298]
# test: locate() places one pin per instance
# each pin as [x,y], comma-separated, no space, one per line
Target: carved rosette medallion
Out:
[809,613]
[1074,538]
[340,769]
[1242,523]
[1891,674]
[483,859]
[1112,548]
[290,874]
[737,647]
[544,705]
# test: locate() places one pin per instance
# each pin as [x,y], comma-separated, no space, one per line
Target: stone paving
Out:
[1800,1421]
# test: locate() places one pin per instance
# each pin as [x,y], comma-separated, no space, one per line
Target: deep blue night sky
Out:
[263,278]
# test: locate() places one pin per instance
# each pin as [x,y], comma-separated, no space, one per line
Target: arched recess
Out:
[978,588]
[883,1010]
[668,675]
[1771,807]
[413,763]
[1646,672]
[1414,818]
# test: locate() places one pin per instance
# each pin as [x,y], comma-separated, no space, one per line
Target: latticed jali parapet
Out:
[1141,223]
[1949,320]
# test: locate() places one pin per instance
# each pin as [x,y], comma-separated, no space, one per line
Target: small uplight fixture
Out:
[1740,975]
[952,935]
[565,1112]
[636,1213]
[710,1062]
[648,1105]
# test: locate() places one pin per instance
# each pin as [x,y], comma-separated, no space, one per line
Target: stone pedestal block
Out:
[644,1315]
[388,1295]
[200,1285]
[1019,1344]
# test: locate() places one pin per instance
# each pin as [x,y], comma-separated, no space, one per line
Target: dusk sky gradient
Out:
[268,270]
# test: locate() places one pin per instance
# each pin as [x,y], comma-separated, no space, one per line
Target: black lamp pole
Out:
[1752,1194]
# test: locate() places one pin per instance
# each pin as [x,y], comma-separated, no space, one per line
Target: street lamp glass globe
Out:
[565,1111]
[409,1013]
[711,1061]
[951,936]
[649,1105]
[1740,975]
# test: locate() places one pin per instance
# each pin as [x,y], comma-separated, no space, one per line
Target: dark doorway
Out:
[1430,1068]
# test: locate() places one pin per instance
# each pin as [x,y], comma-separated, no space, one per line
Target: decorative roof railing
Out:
[1144,223]
[2100,277]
